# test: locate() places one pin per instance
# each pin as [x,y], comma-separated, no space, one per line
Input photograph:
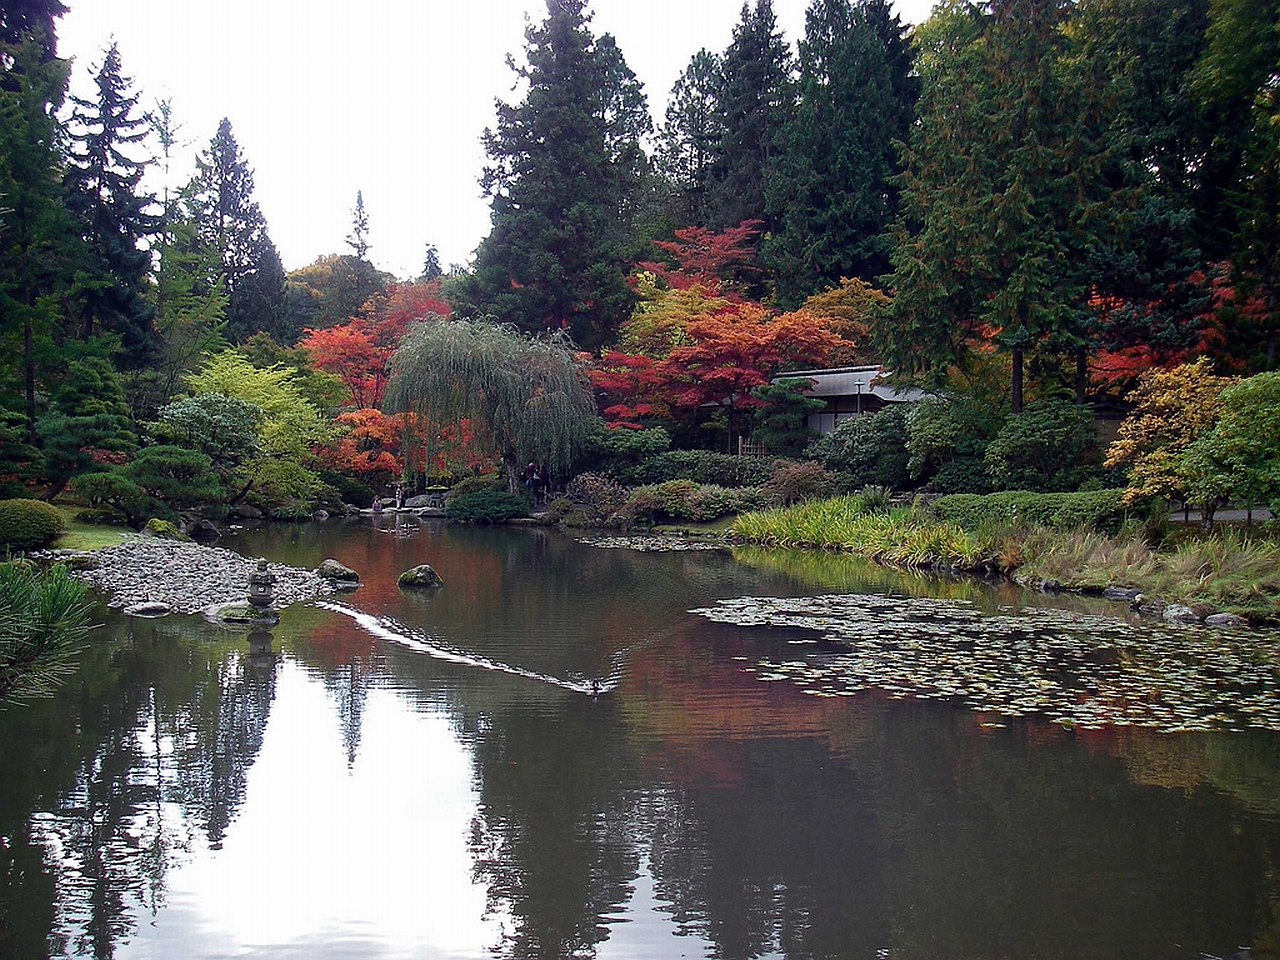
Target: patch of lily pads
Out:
[1077,670]
[651,543]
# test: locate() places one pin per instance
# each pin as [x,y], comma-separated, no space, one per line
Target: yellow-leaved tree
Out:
[1171,409]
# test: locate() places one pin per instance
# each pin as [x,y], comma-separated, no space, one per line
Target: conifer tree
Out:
[690,139]
[565,175]
[755,69]
[112,214]
[220,201]
[831,192]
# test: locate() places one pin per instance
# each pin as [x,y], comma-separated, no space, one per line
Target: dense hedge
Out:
[1098,509]
[701,466]
[28,524]
[486,506]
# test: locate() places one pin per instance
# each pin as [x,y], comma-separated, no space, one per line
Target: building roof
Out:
[851,381]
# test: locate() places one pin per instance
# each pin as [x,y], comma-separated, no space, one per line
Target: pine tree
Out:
[113,215]
[37,243]
[564,180]
[831,191]
[756,69]
[358,238]
[220,201]
[689,141]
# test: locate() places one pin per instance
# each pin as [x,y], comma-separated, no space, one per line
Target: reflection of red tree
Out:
[705,711]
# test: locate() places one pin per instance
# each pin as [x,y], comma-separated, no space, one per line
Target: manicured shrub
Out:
[28,524]
[487,481]
[793,481]
[962,475]
[486,506]
[618,450]
[1097,509]
[702,466]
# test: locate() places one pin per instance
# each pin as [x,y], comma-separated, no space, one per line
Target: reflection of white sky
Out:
[322,861]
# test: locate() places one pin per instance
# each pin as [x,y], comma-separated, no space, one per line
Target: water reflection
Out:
[329,790]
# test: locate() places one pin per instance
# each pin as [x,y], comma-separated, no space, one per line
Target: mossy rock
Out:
[163,530]
[420,576]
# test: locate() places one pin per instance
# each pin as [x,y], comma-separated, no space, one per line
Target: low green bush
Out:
[28,524]
[701,503]
[1096,509]
[701,466]
[477,484]
[486,506]
[351,490]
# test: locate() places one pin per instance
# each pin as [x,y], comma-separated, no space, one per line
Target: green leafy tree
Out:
[290,432]
[87,422]
[112,215]
[871,448]
[1239,457]
[831,191]
[531,394]
[753,93]
[44,619]
[220,201]
[565,174]
[1041,447]
[223,428]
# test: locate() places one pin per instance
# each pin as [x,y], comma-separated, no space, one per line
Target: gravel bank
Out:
[189,577]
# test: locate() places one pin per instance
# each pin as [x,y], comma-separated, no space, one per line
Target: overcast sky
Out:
[388,97]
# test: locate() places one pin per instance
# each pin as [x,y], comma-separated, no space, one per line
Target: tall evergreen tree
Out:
[113,215]
[33,20]
[689,140]
[564,180]
[1001,188]
[36,242]
[756,69]
[220,201]
[358,238]
[831,192]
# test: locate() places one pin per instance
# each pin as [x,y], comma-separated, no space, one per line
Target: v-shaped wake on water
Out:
[390,629]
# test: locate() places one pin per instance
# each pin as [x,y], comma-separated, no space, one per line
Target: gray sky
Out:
[388,97]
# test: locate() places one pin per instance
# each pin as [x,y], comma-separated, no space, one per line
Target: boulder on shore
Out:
[420,576]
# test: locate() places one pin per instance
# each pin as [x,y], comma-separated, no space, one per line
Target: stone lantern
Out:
[260,582]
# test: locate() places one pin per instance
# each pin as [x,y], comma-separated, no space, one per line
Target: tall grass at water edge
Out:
[901,537]
[1228,570]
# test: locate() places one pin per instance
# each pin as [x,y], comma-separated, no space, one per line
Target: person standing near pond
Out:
[399,495]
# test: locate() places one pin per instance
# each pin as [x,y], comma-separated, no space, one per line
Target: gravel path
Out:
[190,577]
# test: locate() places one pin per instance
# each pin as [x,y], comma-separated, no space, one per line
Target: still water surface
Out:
[429,775]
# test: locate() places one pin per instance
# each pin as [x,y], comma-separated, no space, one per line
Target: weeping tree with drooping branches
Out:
[530,392]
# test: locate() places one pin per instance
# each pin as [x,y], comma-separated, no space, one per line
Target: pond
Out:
[582,747]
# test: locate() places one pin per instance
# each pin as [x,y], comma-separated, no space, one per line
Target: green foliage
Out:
[831,191]
[348,489]
[782,423]
[961,475]
[871,448]
[86,413]
[487,506]
[699,502]
[176,475]
[1039,448]
[44,618]
[488,481]
[702,466]
[531,394]
[618,450]
[112,489]
[28,524]
[223,428]
[942,431]
[1095,509]
[1239,458]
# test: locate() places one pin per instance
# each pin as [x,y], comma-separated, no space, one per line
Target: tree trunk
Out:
[1017,380]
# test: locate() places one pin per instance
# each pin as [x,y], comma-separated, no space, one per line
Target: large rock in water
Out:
[338,573]
[420,576]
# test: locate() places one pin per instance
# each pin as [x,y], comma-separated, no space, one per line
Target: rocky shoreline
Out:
[156,576]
